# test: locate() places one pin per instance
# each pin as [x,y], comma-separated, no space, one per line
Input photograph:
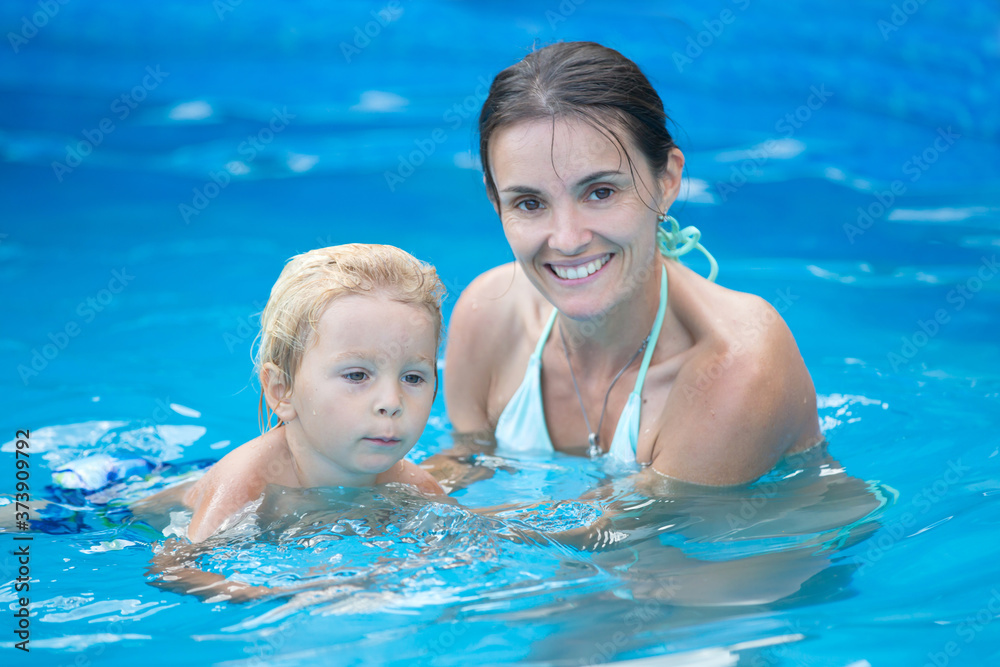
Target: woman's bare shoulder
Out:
[710,311]
[744,396]
[489,330]
[498,296]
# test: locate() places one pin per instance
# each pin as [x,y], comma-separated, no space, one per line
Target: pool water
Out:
[843,163]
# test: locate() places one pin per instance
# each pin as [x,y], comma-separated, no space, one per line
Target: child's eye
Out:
[356,376]
[602,193]
[529,205]
[413,378]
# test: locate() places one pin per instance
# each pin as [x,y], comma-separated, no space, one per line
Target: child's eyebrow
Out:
[365,355]
[354,355]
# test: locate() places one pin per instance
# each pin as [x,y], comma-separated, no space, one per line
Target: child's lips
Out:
[384,441]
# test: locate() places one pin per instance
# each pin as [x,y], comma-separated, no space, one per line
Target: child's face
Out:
[364,390]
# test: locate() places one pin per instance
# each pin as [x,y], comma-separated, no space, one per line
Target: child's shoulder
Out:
[237,479]
[410,473]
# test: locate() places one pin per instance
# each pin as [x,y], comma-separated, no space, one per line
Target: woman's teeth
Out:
[575,272]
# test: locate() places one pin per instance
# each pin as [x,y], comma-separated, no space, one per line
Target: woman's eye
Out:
[529,204]
[412,378]
[356,376]
[602,193]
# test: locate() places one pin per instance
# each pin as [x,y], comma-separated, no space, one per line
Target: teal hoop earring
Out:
[676,242]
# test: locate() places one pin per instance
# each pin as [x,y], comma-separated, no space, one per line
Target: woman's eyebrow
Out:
[522,190]
[596,176]
[586,180]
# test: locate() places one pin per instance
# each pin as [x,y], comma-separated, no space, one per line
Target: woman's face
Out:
[580,224]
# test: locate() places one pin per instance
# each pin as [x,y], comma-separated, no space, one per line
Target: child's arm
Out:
[174,572]
[155,509]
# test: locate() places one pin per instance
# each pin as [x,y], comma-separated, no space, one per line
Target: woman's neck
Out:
[601,345]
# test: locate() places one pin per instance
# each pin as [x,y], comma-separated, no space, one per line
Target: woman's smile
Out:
[578,271]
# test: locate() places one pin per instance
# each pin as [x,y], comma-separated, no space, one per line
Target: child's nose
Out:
[390,411]
[388,403]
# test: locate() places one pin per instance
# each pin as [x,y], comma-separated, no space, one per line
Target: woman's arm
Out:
[471,353]
[481,334]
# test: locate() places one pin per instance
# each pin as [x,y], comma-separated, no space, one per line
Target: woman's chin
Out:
[583,311]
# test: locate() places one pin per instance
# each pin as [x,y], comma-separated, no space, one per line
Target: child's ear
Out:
[277,391]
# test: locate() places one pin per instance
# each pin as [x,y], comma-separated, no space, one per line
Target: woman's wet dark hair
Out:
[581,80]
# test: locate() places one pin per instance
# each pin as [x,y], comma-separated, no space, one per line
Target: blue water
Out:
[129,319]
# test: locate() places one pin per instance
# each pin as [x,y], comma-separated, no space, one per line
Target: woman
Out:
[642,357]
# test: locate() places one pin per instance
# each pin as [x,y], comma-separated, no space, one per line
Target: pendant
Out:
[594,449]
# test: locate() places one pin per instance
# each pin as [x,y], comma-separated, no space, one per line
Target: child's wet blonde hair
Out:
[310,281]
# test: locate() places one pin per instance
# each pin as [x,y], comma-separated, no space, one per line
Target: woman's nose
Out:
[569,234]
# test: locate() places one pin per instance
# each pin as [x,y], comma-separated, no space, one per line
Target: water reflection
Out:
[650,555]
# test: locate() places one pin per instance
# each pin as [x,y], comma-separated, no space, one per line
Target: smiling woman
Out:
[582,171]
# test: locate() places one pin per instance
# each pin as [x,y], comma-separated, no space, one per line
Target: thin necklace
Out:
[594,437]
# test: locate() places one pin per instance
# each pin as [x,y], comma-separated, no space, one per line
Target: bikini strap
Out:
[545,335]
[677,242]
[654,335]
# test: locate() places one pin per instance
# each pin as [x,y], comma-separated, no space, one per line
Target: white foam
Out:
[944,214]
[237,168]
[772,149]
[184,410]
[179,522]
[695,191]
[176,437]
[840,400]
[829,275]
[196,110]
[101,610]
[466,160]
[77,643]
[65,442]
[979,241]
[302,163]
[113,545]
[379,101]
[72,436]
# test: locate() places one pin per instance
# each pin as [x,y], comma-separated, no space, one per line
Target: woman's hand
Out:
[454,468]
